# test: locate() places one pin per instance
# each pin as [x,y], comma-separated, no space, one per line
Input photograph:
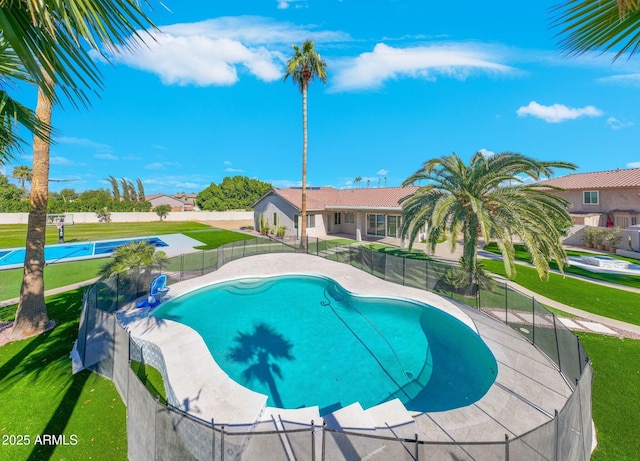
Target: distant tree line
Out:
[233,193]
[69,201]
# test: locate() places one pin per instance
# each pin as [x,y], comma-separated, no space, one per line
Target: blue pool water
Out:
[54,253]
[305,341]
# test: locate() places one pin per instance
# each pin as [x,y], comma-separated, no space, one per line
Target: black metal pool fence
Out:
[160,430]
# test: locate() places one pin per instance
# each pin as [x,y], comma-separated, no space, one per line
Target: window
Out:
[275,219]
[349,217]
[336,218]
[634,220]
[591,197]
[392,226]
[311,221]
[376,224]
[622,221]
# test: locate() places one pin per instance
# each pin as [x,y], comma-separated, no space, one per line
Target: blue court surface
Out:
[14,257]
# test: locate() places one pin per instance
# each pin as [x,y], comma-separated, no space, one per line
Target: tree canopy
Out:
[598,25]
[233,193]
[489,198]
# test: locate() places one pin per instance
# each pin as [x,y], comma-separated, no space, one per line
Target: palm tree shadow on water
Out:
[260,348]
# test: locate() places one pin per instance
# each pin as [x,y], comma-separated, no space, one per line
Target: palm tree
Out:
[135,261]
[488,198]
[12,113]
[45,37]
[115,188]
[357,180]
[591,25]
[141,195]
[305,65]
[23,174]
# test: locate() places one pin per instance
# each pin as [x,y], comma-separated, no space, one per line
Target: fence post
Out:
[416,450]
[557,435]
[404,270]
[213,440]
[506,304]
[506,447]
[579,355]
[222,443]
[426,279]
[324,427]
[533,320]
[313,442]
[202,264]
[555,333]
[371,250]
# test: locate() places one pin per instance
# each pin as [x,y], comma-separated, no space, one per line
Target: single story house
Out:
[361,214]
[601,198]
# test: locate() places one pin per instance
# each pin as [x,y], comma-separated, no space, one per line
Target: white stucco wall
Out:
[22,218]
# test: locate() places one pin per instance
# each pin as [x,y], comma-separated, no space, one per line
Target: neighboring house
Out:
[179,202]
[361,214]
[189,200]
[602,198]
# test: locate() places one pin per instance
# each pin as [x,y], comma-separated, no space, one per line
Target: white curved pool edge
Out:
[197,380]
[351,279]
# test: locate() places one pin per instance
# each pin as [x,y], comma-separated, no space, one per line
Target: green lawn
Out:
[14,235]
[597,299]
[39,394]
[616,395]
[63,274]
[620,279]
[55,275]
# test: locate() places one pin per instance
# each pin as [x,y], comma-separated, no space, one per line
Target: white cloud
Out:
[616,124]
[84,142]
[486,153]
[557,113]
[230,168]
[633,165]
[161,165]
[62,161]
[370,70]
[105,156]
[623,79]
[382,172]
[284,4]
[216,51]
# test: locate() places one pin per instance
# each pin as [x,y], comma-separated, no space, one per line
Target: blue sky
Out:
[408,80]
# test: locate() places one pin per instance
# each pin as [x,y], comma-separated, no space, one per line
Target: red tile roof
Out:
[612,179]
[327,197]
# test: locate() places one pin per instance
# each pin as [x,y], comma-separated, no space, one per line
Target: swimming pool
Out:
[306,341]
[72,251]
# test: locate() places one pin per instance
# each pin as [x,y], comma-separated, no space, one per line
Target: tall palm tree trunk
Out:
[303,209]
[31,316]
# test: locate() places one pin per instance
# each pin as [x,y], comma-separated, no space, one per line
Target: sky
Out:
[407,81]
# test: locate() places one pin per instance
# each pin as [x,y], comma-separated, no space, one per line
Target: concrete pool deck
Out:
[527,391]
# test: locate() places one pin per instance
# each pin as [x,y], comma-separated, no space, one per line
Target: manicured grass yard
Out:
[621,279]
[616,395]
[597,299]
[55,275]
[40,396]
[63,274]
[14,235]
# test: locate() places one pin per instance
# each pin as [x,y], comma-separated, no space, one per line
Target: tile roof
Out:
[597,180]
[327,197]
